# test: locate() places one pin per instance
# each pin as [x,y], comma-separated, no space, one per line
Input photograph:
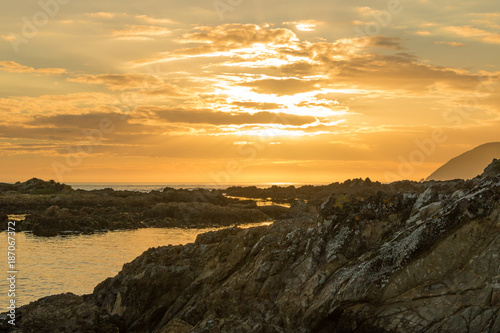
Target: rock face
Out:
[411,261]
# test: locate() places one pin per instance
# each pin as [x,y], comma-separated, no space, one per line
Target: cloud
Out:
[121,81]
[105,15]
[9,38]
[282,87]
[384,41]
[454,44]
[305,25]
[164,90]
[14,67]
[257,105]
[474,33]
[224,118]
[239,35]
[80,121]
[152,20]
[140,32]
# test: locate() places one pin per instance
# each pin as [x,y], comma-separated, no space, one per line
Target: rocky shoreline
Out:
[415,257]
[56,209]
[53,209]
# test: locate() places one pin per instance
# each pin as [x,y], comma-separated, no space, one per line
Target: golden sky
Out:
[237,91]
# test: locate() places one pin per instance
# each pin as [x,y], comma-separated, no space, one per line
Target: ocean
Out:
[77,263]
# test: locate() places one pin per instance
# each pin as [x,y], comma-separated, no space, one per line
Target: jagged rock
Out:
[493,169]
[60,313]
[274,211]
[177,326]
[36,186]
[424,260]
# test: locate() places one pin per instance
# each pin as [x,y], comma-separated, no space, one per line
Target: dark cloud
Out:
[85,121]
[225,118]
[121,81]
[164,90]
[387,42]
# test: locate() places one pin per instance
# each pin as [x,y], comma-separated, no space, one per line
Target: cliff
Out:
[411,261]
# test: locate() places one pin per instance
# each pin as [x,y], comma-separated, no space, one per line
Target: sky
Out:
[244,91]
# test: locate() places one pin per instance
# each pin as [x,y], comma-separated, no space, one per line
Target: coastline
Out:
[399,257]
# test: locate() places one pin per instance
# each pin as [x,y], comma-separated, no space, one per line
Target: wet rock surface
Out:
[389,261]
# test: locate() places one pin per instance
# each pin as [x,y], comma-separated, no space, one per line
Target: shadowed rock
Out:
[3,221]
[407,261]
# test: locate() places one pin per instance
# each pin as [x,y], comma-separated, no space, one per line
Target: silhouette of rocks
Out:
[423,260]
[89,211]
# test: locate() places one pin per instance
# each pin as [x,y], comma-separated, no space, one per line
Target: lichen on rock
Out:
[423,258]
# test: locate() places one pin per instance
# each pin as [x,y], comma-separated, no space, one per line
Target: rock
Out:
[176,326]
[493,169]
[4,219]
[55,220]
[273,211]
[53,209]
[423,260]
[202,214]
[38,186]
[60,313]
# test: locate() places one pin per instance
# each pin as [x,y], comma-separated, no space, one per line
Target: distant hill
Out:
[469,164]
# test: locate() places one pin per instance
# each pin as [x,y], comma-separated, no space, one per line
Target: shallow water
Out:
[262,202]
[77,263]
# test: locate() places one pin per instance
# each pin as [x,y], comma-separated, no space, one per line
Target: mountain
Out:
[469,164]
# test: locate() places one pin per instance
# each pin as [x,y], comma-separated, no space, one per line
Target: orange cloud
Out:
[121,81]
[257,105]
[141,32]
[239,35]
[305,25]
[14,67]
[104,15]
[152,20]
[474,33]
[454,44]
[282,87]
[226,118]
